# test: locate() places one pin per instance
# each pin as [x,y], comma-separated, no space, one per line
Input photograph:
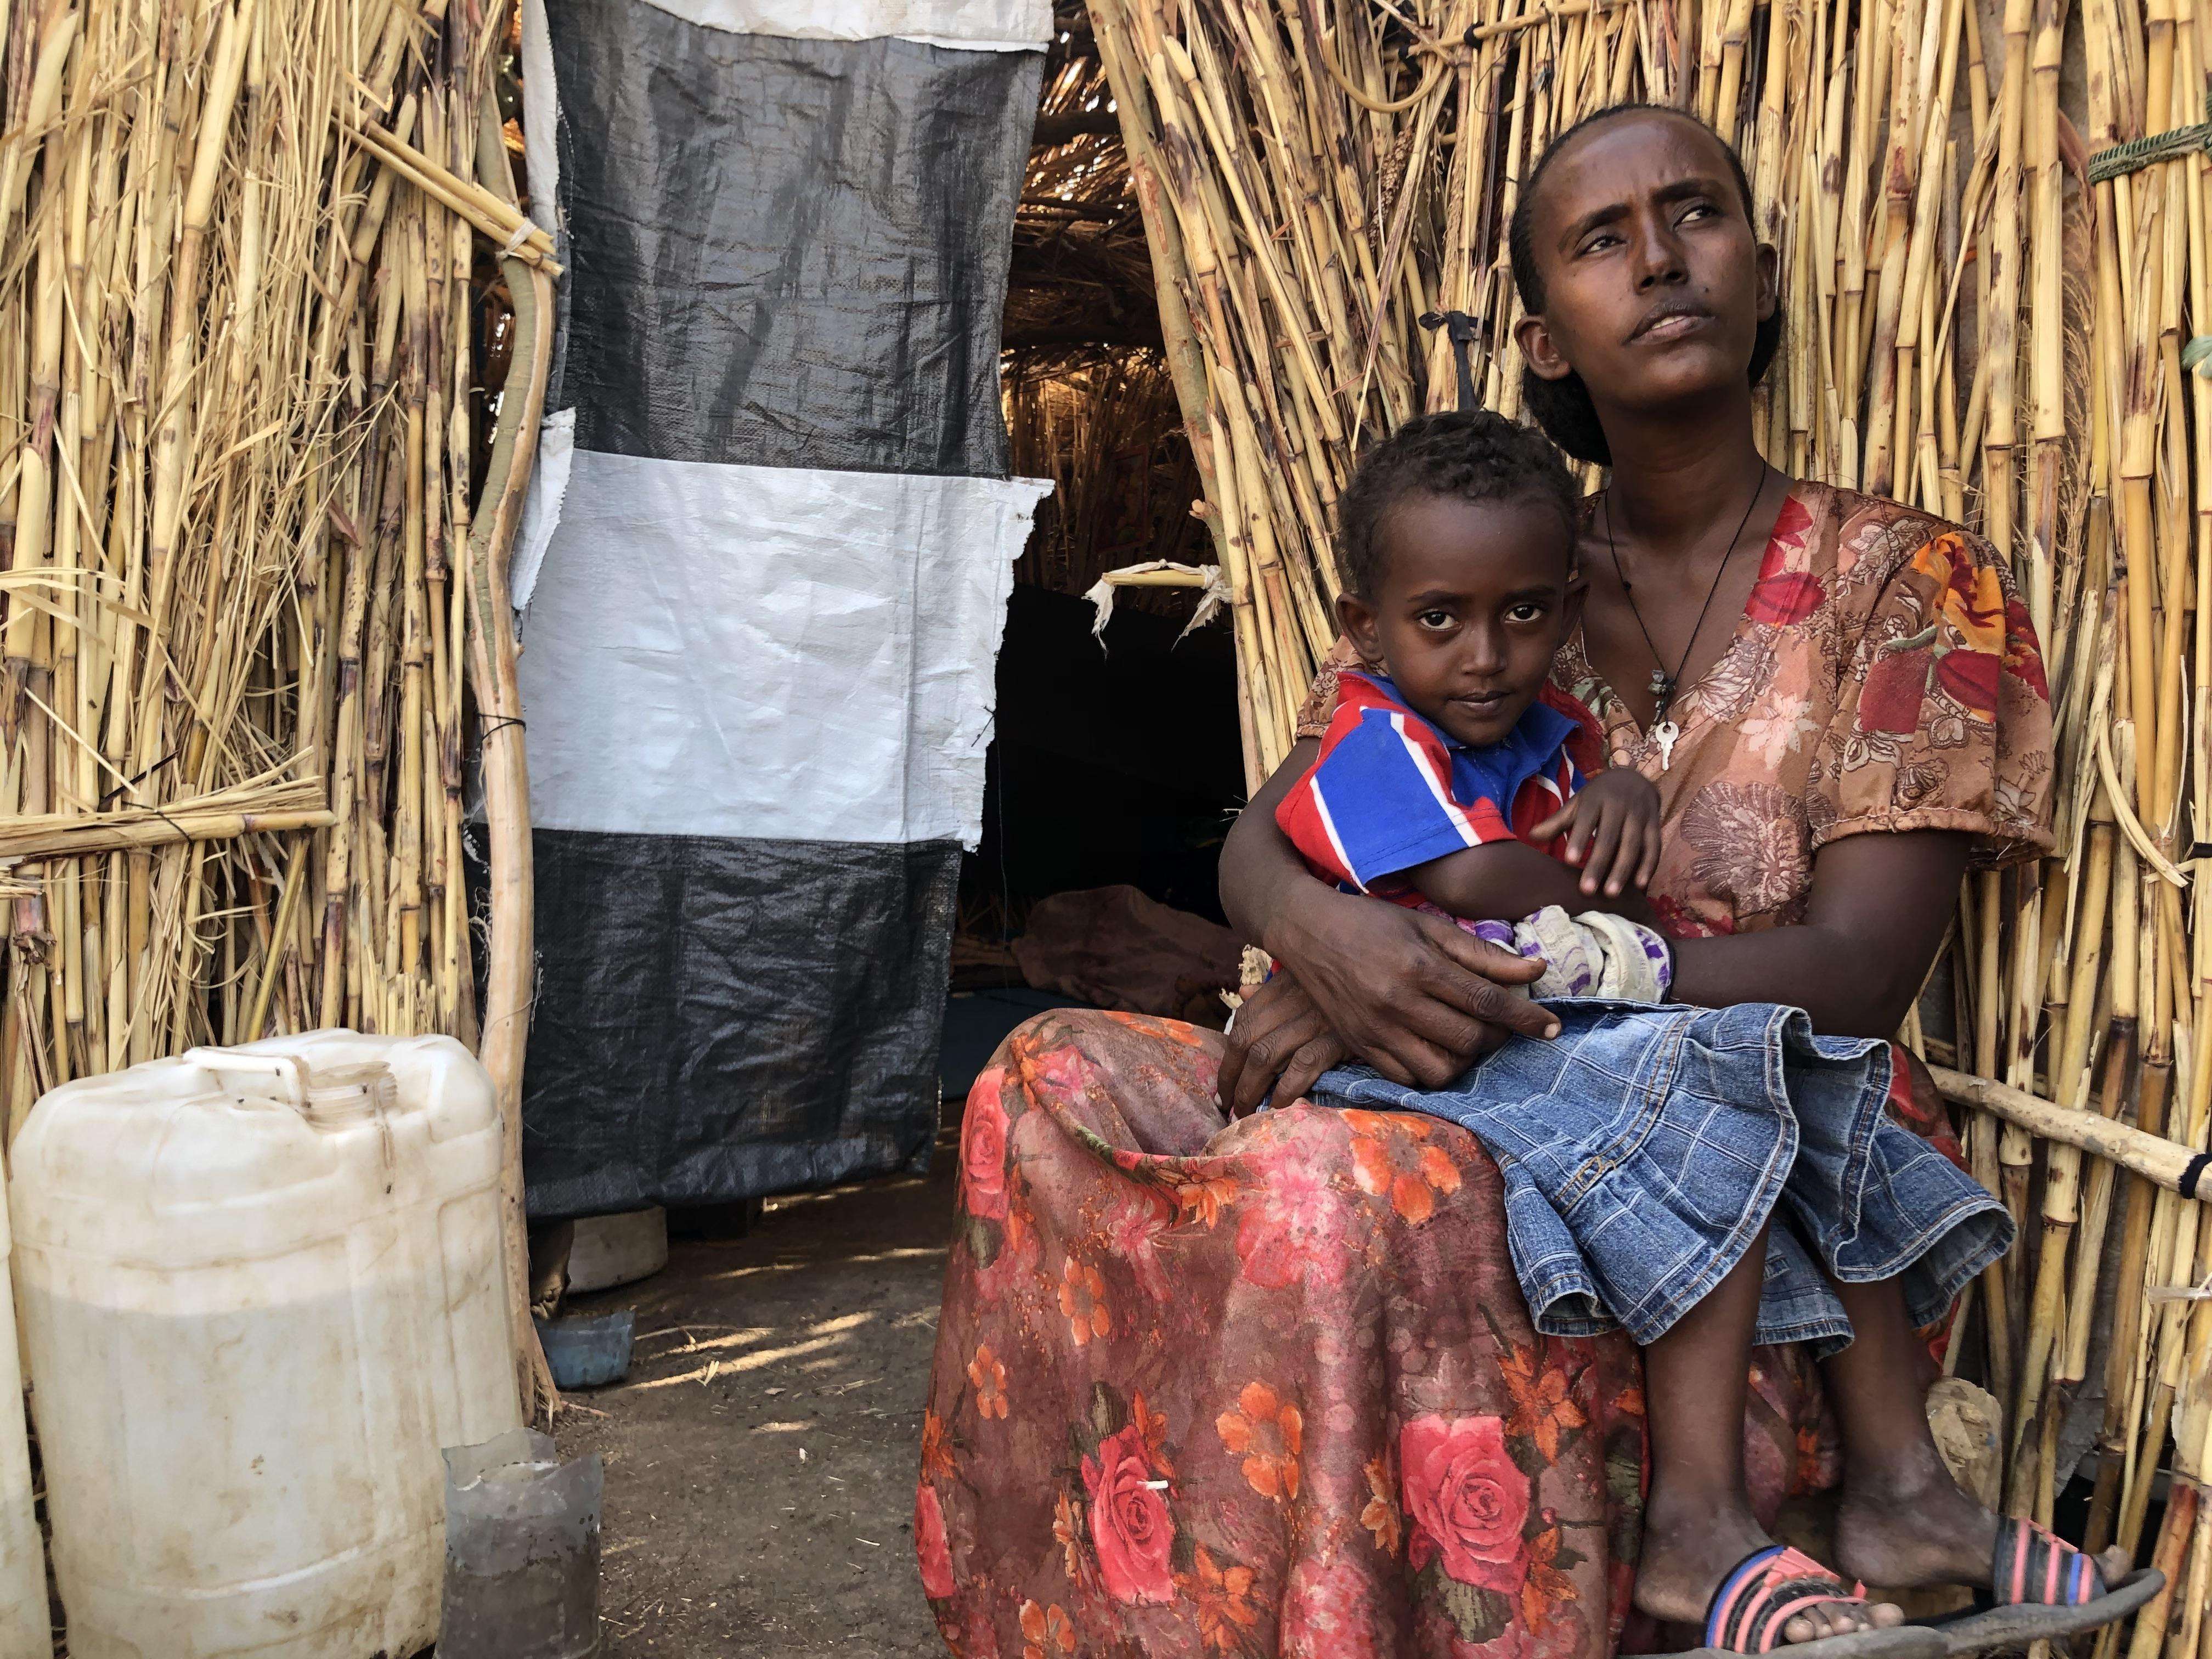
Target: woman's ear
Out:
[1538,350]
[1356,618]
[1770,280]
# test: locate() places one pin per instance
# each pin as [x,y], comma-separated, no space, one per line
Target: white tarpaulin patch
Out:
[976,25]
[768,652]
[541,504]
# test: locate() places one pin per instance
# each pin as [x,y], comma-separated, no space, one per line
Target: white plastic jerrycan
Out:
[25,1631]
[262,1289]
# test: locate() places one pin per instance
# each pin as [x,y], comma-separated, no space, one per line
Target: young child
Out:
[1464,782]
[1653,1157]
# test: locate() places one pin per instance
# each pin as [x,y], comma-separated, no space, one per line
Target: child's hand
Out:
[1615,842]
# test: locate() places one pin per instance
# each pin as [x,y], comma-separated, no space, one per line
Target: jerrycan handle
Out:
[285,1067]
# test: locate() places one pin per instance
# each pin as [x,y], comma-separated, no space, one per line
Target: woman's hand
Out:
[1415,996]
[1614,821]
[1279,1044]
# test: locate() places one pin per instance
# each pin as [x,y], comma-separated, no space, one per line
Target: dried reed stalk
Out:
[1976,325]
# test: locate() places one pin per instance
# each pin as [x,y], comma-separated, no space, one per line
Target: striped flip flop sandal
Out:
[1771,1586]
[2043,1589]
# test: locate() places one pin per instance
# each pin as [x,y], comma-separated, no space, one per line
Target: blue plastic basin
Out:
[588,1353]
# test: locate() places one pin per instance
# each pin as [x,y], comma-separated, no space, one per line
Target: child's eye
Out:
[1434,619]
[1527,611]
[1697,210]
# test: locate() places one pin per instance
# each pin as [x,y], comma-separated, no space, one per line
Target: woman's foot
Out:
[1919,1529]
[1692,1547]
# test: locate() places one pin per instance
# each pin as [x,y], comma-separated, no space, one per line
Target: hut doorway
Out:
[1115,763]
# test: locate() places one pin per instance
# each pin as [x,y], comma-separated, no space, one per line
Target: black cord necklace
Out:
[1664,731]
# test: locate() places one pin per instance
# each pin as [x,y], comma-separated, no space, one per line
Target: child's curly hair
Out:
[1474,455]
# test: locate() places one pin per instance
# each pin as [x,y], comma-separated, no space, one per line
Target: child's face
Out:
[1476,597]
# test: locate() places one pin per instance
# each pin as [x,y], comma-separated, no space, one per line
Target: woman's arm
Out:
[1260,870]
[1414,997]
[1874,919]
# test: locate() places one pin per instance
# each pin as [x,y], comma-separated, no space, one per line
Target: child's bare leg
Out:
[1698,1523]
[1903,1522]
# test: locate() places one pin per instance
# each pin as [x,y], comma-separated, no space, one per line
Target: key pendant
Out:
[1664,734]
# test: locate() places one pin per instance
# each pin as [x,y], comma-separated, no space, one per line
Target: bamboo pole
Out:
[508,991]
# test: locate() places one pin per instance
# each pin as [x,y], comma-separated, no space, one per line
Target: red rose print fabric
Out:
[1467,1500]
[1218,1391]
[929,1543]
[1131,1531]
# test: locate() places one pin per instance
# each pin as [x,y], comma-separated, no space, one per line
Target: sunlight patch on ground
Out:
[800,1265]
[835,1333]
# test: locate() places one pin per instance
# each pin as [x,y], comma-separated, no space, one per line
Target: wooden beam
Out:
[2171,1165]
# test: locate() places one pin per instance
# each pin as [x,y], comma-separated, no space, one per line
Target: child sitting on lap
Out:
[1467,745]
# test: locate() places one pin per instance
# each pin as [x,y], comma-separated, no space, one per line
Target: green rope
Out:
[2138,152]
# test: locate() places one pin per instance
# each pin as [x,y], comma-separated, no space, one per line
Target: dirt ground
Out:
[761,1455]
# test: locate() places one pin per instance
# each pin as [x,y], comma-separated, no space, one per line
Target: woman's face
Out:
[1654,281]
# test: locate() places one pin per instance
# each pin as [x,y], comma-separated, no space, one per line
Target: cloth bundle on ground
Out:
[1118,948]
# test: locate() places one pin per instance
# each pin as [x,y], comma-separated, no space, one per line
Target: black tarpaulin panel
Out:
[721,1019]
[787,252]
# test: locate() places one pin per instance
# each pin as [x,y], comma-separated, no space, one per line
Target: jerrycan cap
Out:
[339,1095]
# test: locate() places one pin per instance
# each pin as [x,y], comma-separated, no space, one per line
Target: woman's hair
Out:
[1471,455]
[1563,407]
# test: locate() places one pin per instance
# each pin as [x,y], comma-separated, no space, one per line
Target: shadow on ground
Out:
[761,1455]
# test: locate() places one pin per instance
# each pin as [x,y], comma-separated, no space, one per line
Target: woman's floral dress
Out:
[1269,1388]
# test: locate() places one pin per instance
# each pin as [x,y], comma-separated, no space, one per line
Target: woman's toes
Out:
[2114,1565]
[1884,1615]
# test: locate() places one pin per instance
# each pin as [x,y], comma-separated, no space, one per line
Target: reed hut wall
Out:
[276,337]
[1993,224]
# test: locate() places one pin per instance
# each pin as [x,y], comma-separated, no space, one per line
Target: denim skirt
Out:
[1644,1147]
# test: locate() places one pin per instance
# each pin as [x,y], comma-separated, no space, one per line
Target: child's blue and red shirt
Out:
[1391,791]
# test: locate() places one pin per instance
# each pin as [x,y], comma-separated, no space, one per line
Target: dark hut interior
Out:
[1116,763]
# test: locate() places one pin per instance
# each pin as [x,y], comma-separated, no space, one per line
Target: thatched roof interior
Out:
[1089,404]
[1081,282]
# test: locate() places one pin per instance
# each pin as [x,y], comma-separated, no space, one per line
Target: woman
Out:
[1273,1387]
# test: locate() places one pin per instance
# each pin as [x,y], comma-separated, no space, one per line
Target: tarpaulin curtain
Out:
[758,656]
